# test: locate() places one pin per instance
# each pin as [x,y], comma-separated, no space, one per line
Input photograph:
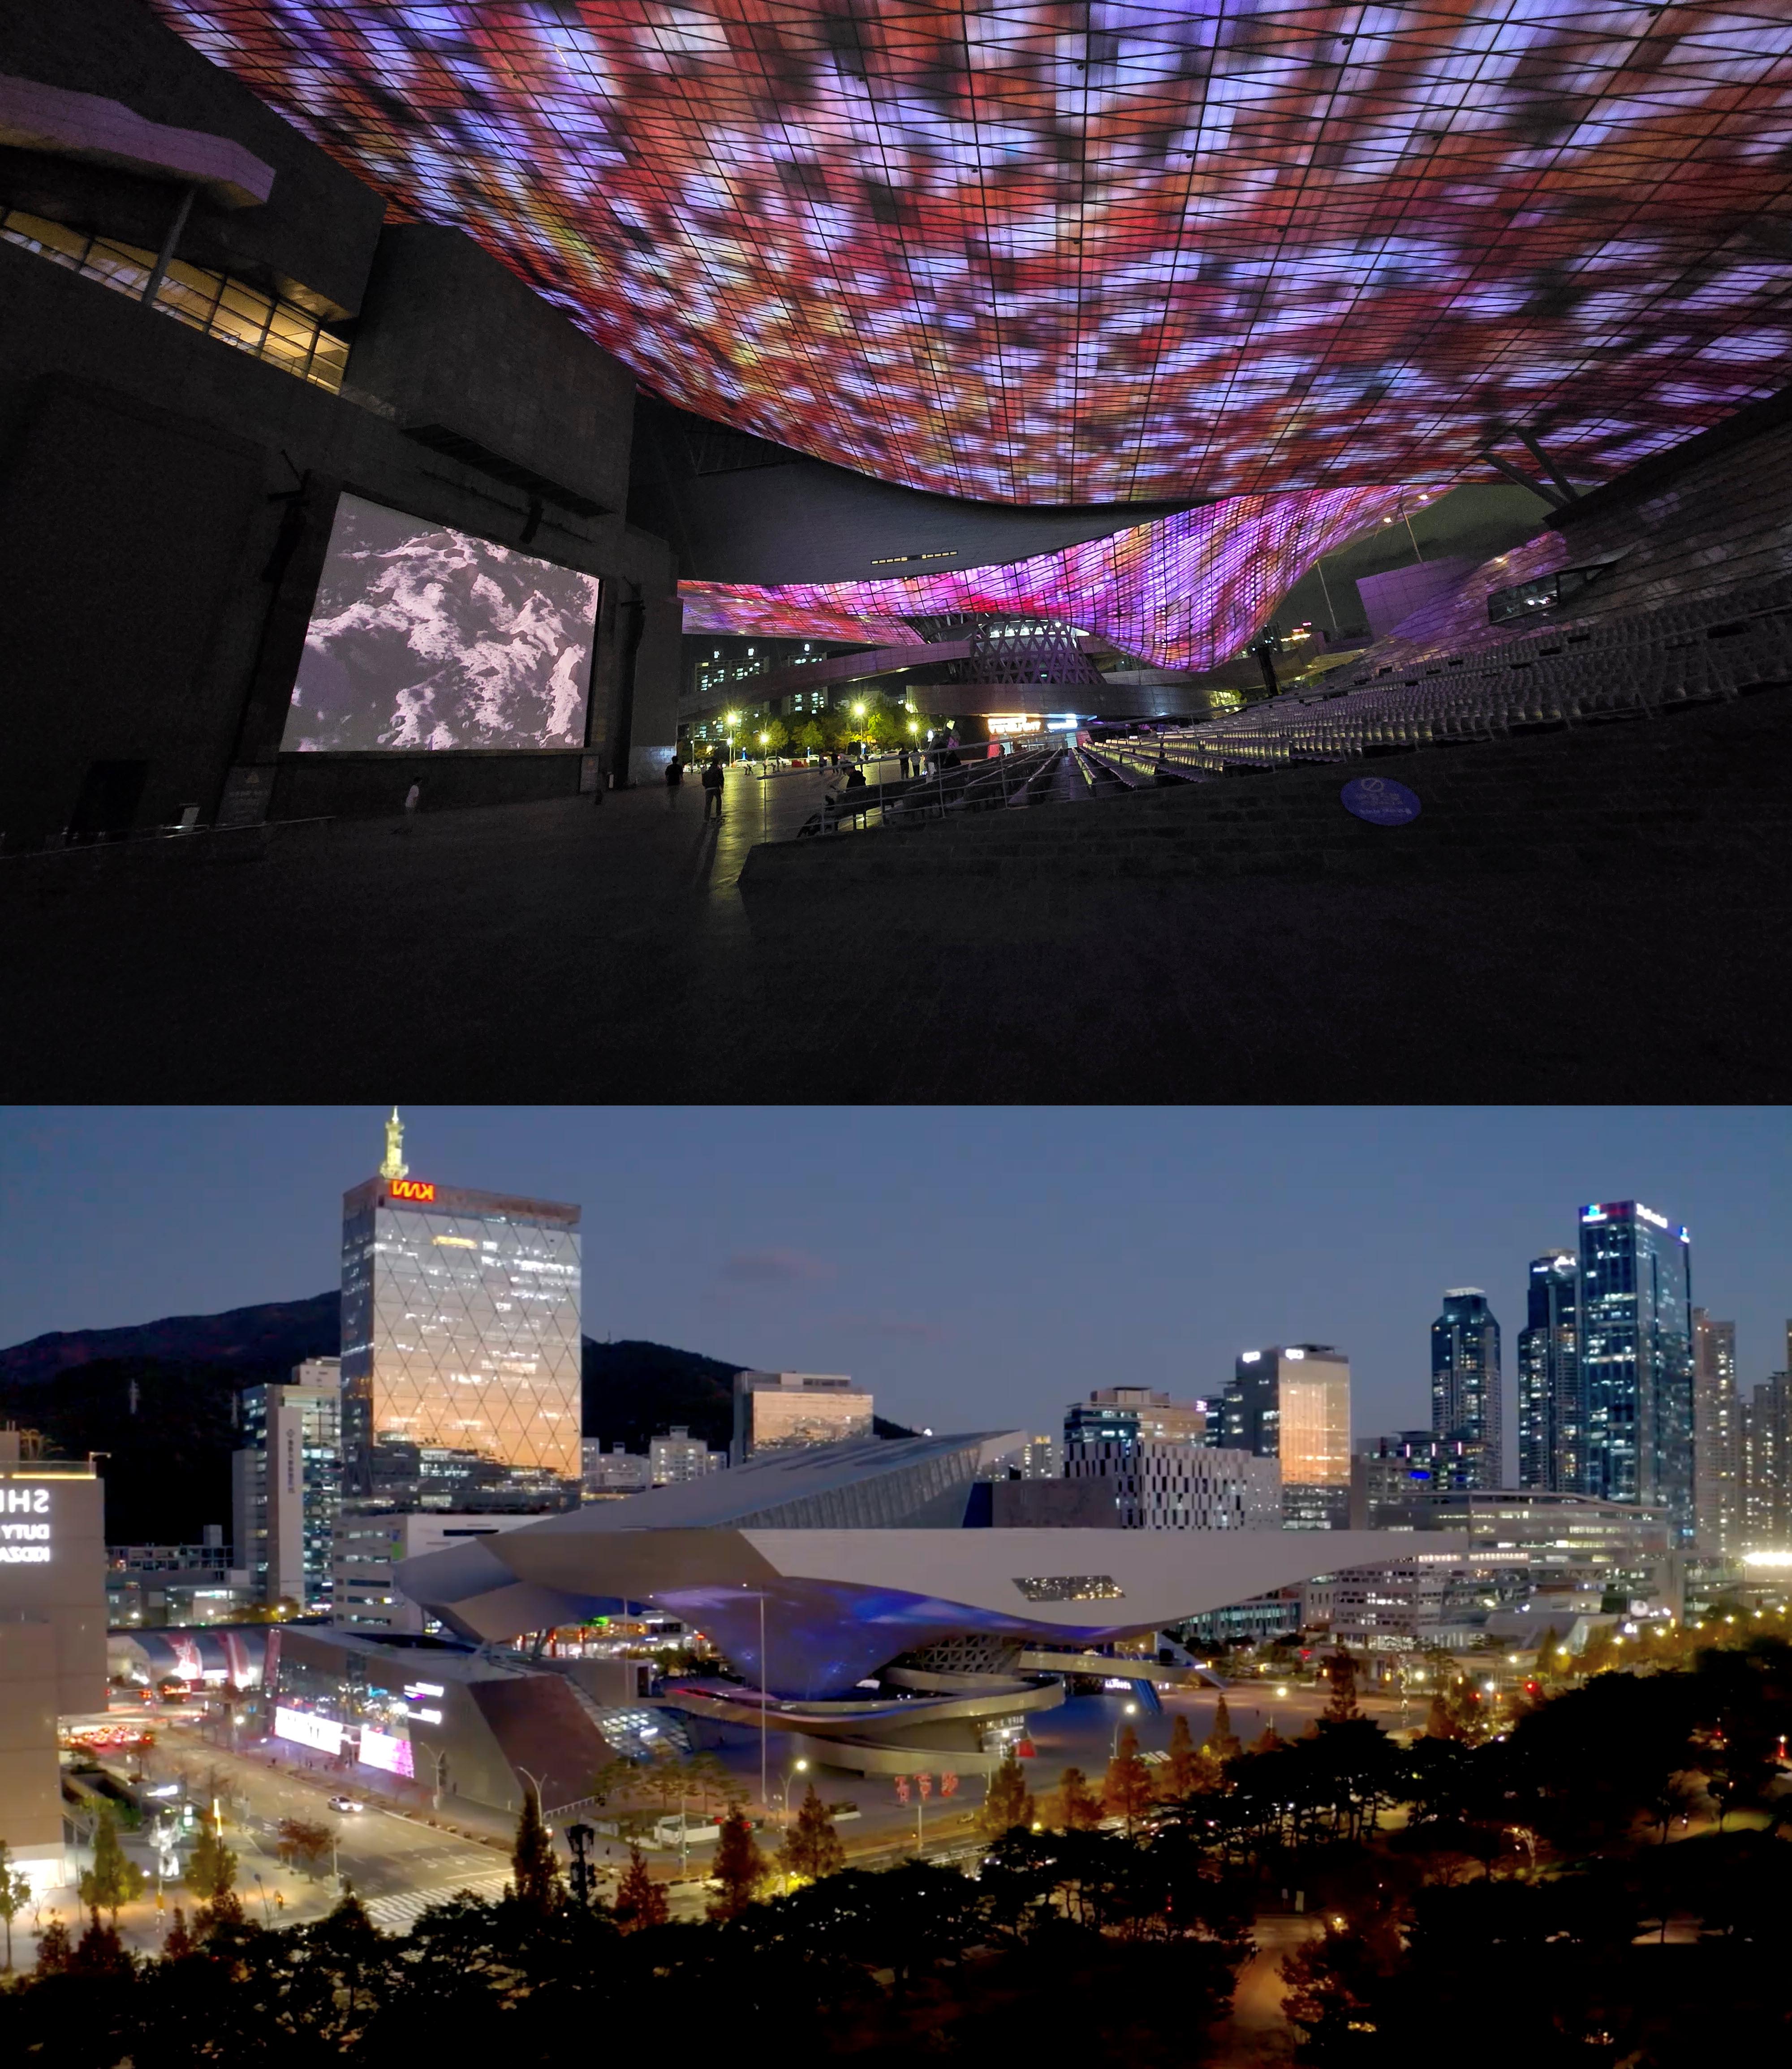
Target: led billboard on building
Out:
[1183,592]
[301,1729]
[422,636]
[385,1750]
[1123,250]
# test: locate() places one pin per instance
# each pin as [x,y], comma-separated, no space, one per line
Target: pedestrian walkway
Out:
[398,1913]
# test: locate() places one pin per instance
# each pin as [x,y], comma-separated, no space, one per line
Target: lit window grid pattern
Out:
[1315,1444]
[1184,591]
[217,304]
[476,1349]
[1057,255]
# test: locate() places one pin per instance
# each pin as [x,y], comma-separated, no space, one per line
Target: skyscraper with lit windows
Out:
[1291,1402]
[1635,1360]
[1465,1378]
[460,1346]
[1551,1452]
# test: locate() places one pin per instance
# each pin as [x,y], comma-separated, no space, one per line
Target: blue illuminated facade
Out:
[1635,1360]
[1465,1378]
[1551,1441]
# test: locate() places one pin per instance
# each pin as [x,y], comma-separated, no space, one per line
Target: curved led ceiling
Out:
[1184,592]
[1091,252]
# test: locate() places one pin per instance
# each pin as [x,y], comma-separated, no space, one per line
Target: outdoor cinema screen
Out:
[425,637]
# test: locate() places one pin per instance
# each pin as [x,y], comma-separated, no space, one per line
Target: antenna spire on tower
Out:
[394,1166]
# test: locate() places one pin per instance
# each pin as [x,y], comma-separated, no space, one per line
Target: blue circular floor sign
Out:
[1380,800]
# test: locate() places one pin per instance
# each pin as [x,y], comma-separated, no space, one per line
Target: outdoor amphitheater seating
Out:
[1644,665]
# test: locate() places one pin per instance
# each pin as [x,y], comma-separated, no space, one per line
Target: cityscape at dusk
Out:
[349,1591]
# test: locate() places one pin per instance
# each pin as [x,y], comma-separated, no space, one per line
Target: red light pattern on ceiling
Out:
[1184,592]
[1057,253]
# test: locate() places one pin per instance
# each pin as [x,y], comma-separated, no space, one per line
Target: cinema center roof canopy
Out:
[1088,254]
[859,1553]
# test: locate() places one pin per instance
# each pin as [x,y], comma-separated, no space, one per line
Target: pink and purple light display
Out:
[1101,252]
[1185,591]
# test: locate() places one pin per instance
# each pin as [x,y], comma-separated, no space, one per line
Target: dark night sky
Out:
[980,1268]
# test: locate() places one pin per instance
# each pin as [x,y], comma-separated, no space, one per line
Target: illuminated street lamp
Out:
[1128,1710]
[798,1767]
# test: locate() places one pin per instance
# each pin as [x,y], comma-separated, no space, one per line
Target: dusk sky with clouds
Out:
[978,1268]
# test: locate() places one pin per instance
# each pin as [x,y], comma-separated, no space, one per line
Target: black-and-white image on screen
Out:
[424,637]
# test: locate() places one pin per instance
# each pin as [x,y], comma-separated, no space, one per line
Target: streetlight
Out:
[799,1767]
[1128,1710]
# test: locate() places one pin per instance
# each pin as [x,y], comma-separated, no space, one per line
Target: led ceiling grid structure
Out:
[1084,253]
[1185,592]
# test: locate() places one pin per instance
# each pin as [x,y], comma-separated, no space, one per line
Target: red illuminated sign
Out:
[412,1188]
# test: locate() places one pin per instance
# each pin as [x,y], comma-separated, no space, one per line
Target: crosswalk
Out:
[399,1912]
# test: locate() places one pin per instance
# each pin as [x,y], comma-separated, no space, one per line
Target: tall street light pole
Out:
[764,1698]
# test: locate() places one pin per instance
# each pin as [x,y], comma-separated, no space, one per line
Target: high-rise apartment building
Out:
[1767,1467]
[1718,1494]
[286,1484]
[792,1411]
[1636,1359]
[1291,1402]
[460,1346]
[1465,1377]
[1551,1448]
[1134,1412]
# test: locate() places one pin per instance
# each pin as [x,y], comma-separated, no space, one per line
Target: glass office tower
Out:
[1551,1453]
[1636,1359]
[460,1347]
[1465,1378]
[1291,1402]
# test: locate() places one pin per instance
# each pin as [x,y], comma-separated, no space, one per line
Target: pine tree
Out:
[535,1872]
[1128,1790]
[740,1867]
[812,1847]
[1078,1807]
[179,1941]
[1267,1740]
[1546,1660]
[1006,1803]
[1340,1671]
[1440,1723]
[640,1901]
[100,1952]
[113,1879]
[54,1952]
[1182,1769]
[1223,1743]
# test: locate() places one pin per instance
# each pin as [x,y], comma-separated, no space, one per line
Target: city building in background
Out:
[152,1585]
[608,1475]
[1551,1446]
[1718,1487]
[1159,1485]
[1465,1377]
[52,1640]
[286,1484]
[1635,1355]
[790,1411]
[1040,1458]
[677,1455]
[371,1545]
[1767,1467]
[460,1346]
[1389,1474]
[1292,1402]
[1129,1412]
[460,1370]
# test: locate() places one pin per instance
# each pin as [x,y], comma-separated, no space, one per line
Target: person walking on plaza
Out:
[712,780]
[675,776]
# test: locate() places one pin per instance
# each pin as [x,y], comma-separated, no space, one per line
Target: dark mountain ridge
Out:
[159,1399]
